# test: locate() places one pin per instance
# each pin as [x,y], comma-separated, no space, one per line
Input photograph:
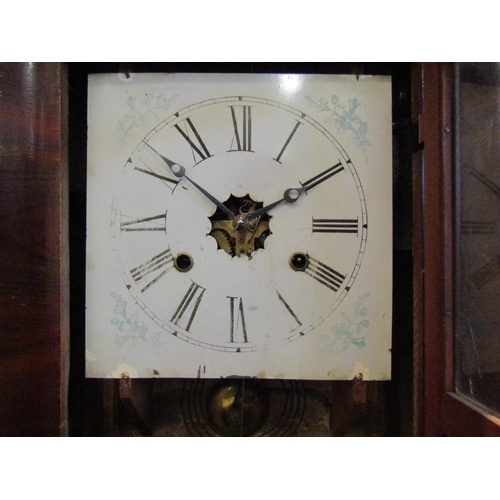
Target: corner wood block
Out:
[134,394]
[359,389]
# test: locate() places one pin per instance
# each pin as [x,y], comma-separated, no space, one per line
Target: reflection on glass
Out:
[477,341]
[290,84]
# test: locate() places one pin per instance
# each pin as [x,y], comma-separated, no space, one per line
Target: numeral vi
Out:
[237,320]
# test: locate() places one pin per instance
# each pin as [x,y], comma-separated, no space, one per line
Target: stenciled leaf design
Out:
[344,119]
[141,113]
[346,334]
[130,325]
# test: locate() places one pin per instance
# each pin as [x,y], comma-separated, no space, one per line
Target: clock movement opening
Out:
[238,237]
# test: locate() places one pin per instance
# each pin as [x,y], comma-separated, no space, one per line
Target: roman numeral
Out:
[323,274]
[323,176]
[197,145]
[152,270]
[335,226]
[157,176]
[290,315]
[487,273]
[495,188]
[189,304]
[243,136]
[237,319]
[292,133]
[153,223]
[156,158]
[478,227]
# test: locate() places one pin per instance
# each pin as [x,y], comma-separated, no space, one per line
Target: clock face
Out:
[238,226]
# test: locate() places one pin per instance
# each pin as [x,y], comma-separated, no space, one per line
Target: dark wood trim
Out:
[418,317]
[460,417]
[428,255]
[449,227]
[34,291]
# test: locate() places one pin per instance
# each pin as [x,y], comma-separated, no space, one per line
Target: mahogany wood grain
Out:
[33,250]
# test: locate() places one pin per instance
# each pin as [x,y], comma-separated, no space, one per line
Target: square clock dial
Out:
[239,225]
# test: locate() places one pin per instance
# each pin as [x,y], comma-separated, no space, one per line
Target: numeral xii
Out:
[242,134]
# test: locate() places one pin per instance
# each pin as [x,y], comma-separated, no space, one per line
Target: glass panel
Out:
[477,368]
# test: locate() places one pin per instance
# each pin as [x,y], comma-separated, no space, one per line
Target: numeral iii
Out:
[335,226]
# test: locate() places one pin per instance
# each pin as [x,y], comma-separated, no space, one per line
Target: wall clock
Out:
[239,225]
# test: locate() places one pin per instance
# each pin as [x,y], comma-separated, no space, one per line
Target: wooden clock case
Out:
[42,236]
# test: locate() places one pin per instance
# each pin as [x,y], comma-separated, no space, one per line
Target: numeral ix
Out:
[145,224]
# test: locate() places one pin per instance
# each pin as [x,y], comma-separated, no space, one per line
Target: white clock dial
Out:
[244,231]
[275,278]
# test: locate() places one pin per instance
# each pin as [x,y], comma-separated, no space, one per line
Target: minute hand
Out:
[179,171]
[253,215]
[214,200]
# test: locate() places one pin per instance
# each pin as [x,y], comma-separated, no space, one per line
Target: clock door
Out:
[457,329]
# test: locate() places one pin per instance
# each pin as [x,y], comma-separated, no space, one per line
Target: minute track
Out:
[228,316]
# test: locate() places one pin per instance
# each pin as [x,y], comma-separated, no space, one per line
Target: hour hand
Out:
[289,196]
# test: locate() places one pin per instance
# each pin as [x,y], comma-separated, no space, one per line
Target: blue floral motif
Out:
[346,334]
[141,113]
[344,119]
[131,328]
